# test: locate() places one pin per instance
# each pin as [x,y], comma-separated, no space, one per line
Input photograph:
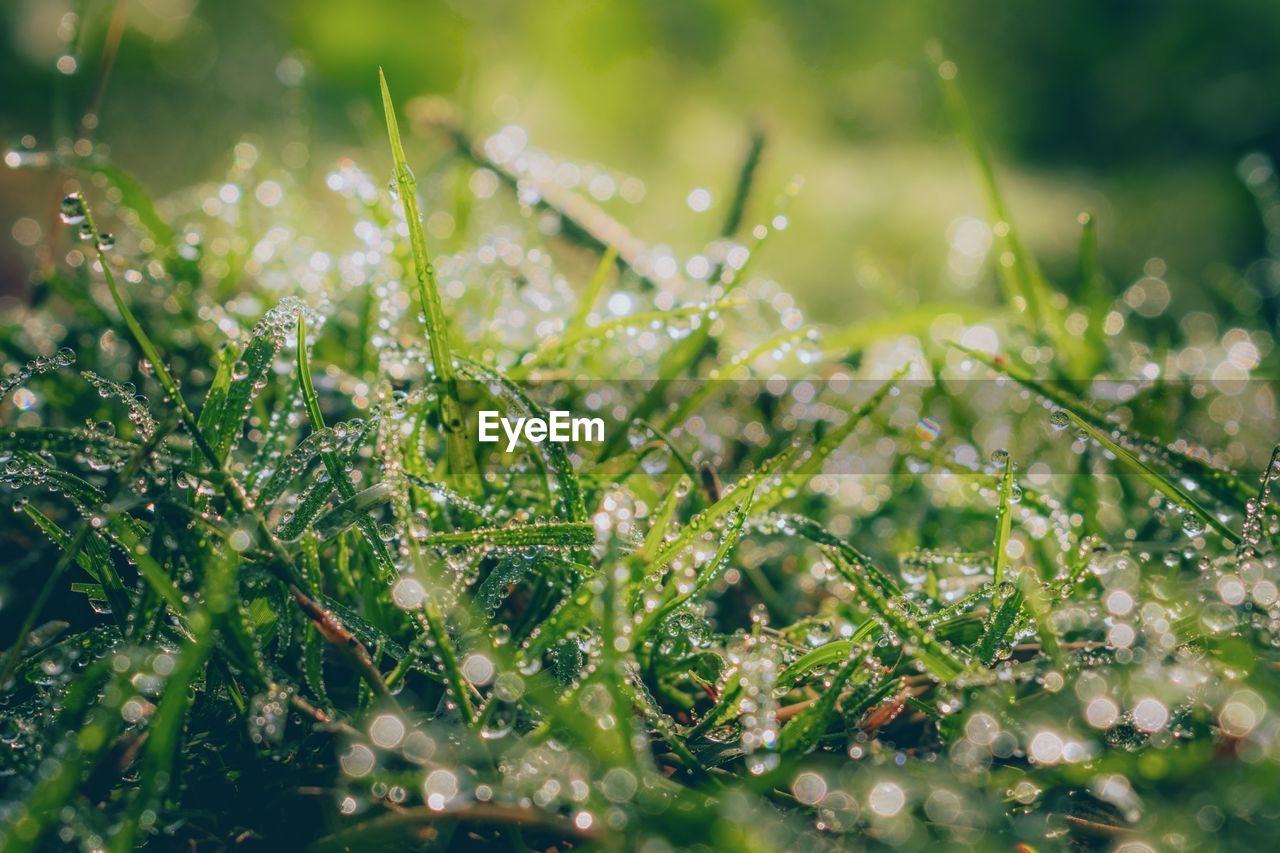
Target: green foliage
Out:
[322,614]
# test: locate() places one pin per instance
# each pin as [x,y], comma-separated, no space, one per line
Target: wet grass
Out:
[815,588]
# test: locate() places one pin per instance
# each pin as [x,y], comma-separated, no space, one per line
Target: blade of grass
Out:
[149,352]
[803,731]
[1226,486]
[1037,602]
[1004,523]
[566,535]
[998,625]
[825,655]
[233,491]
[1022,276]
[333,464]
[707,574]
[1095,297]
[1158,481]
[682,359]
[592,293]
[938,661]
[165,728]
[459,448]
[553,453]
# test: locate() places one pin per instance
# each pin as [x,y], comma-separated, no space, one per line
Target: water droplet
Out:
[72,209]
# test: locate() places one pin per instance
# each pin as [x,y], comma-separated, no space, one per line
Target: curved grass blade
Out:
[1226,486]
[134,196]
[351,510]
[803,732]
[824,655]
[149,351]
[1154,478]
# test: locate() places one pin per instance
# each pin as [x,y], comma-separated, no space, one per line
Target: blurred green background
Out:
[1138,109]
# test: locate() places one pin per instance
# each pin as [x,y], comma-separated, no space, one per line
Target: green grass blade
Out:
[459,447]
[1226,486]
[811,462]
[825,655]
[800,525]
[998,625]
[333,463]
[351,510]
[590,295]
[134,196]
[148,349]
[1158,481]
[802,732]
[1096,299]
[1037,601]
[297,520]
[1022,277]
[561,535]
[938,661]
[553,453]
[757,482]
[231,396]
[1004,522]
[707,574]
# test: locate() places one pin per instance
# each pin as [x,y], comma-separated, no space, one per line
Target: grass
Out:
[291,601]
